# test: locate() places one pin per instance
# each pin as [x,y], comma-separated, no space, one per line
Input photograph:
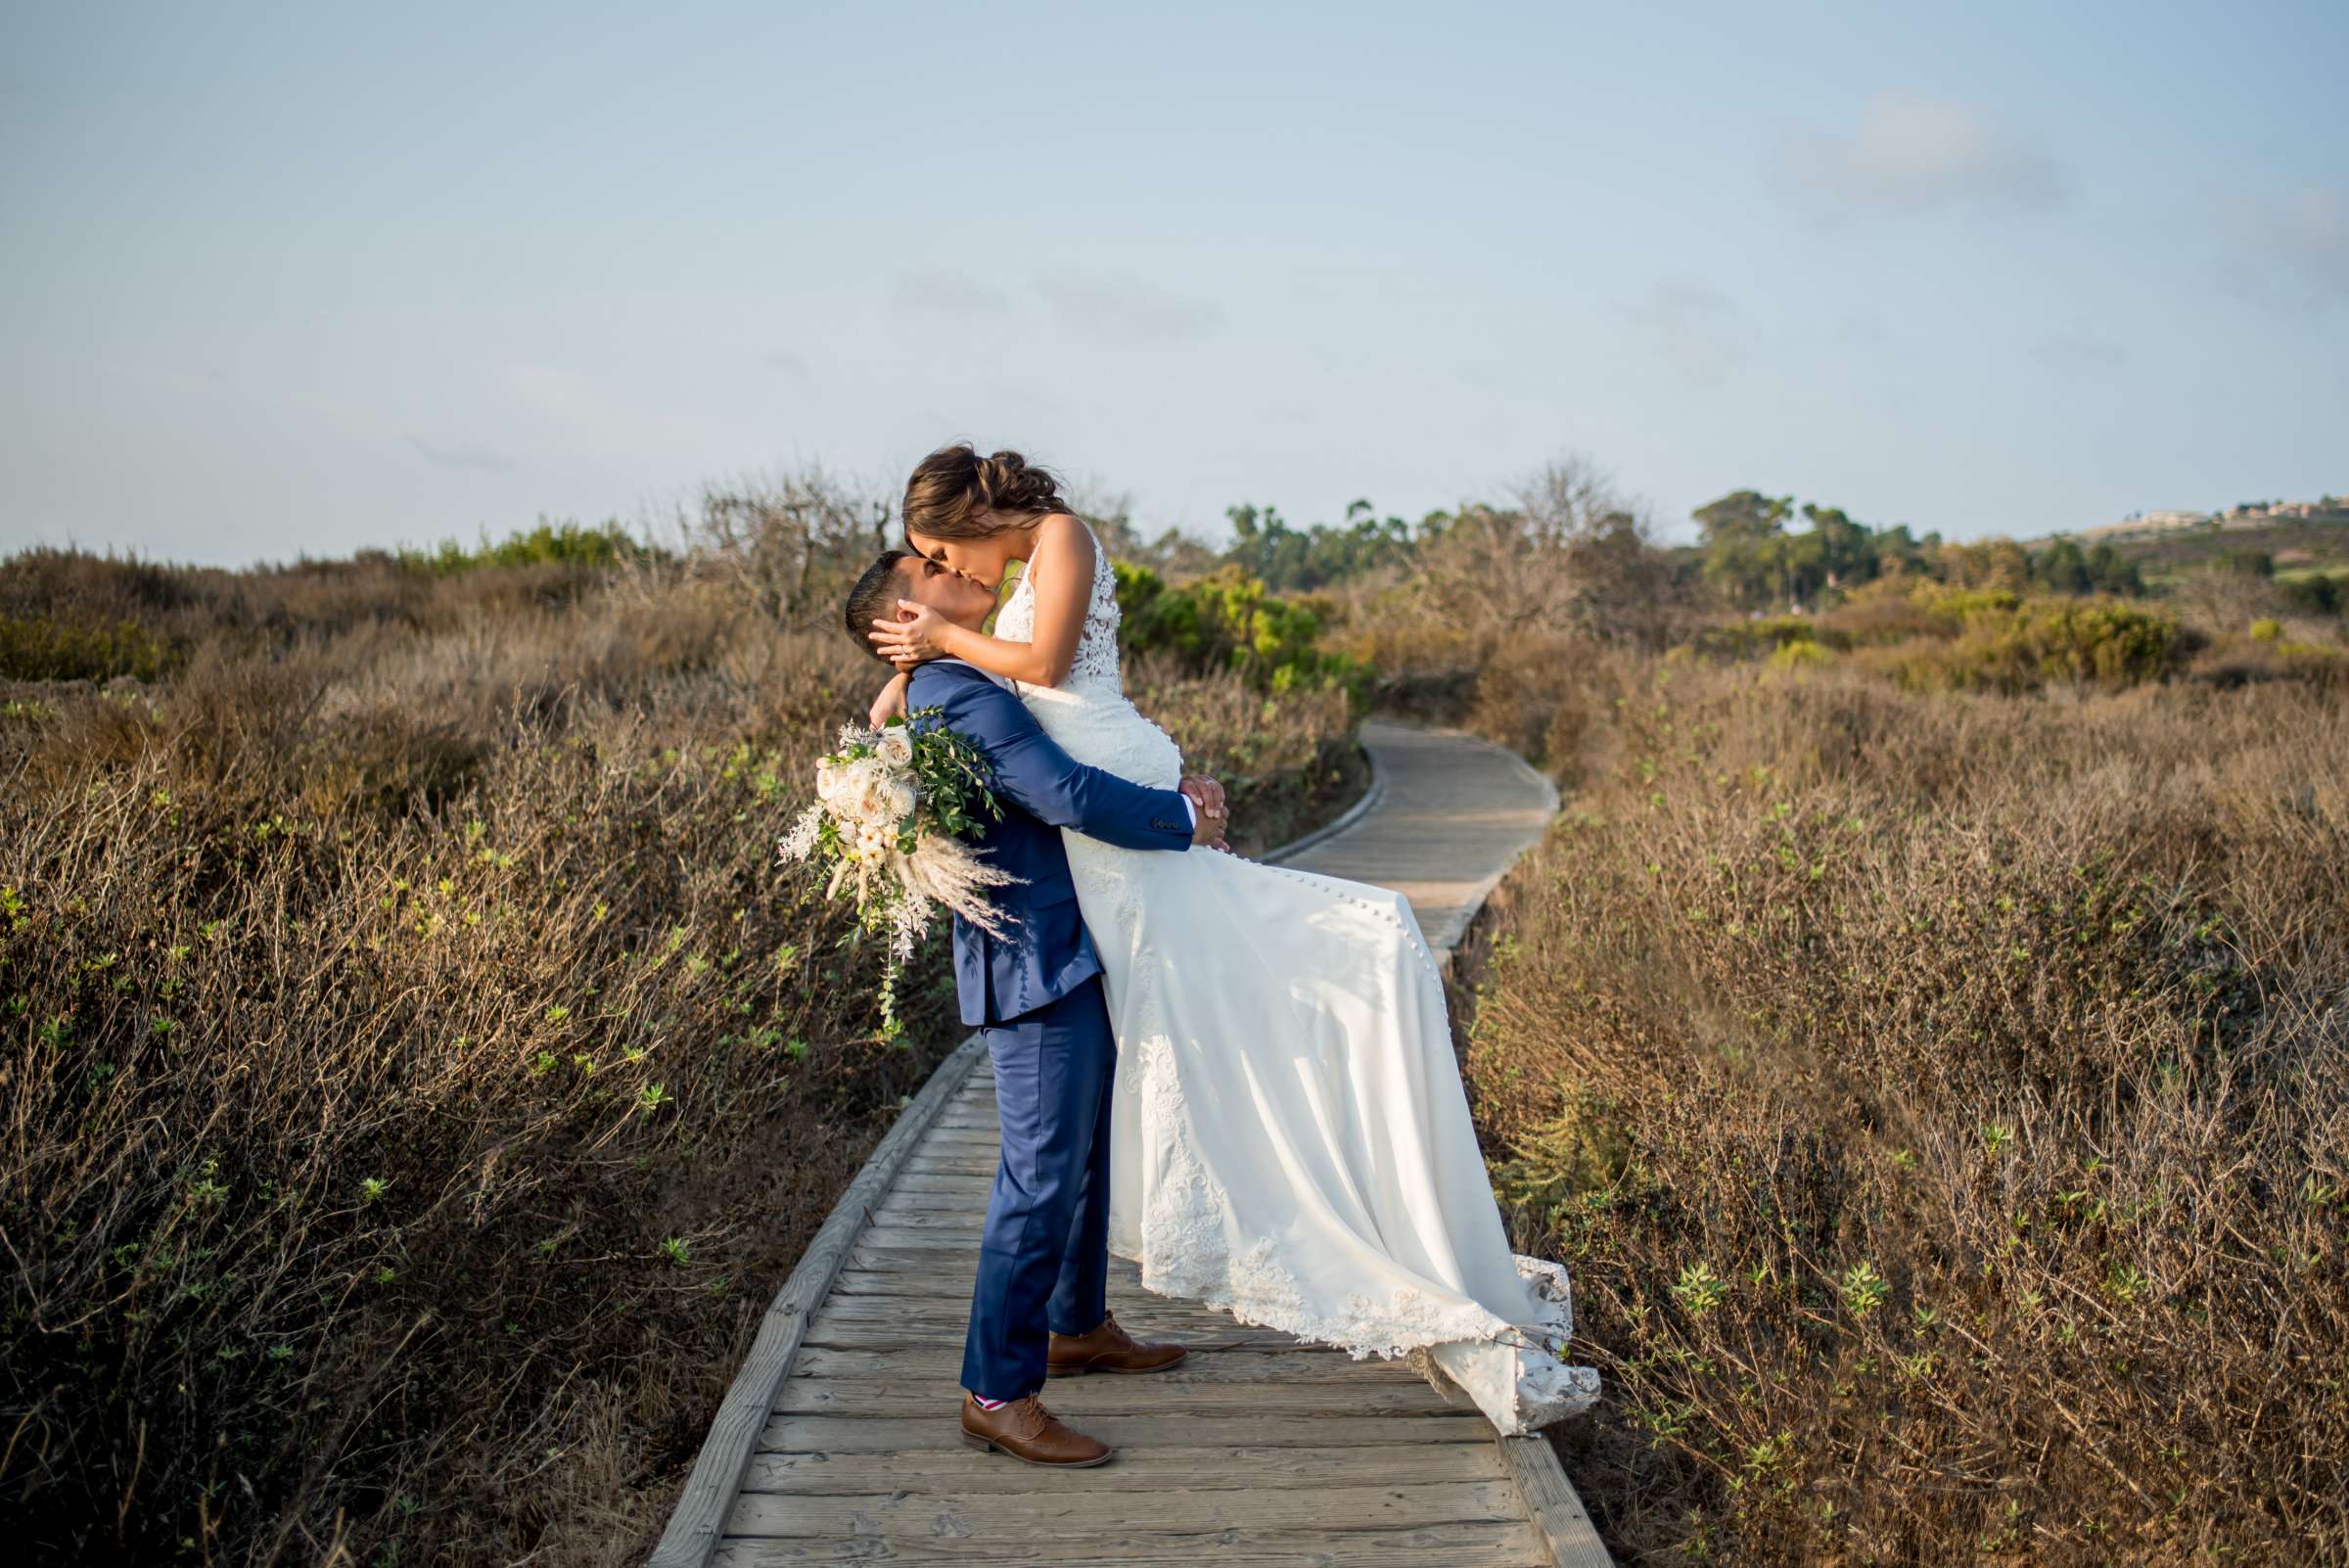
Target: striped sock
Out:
[987,1404]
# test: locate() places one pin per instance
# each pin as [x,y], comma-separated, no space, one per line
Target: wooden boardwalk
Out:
[839,1442]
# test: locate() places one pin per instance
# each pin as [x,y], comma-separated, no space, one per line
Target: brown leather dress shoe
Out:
[1024,1429]
[1108,1349]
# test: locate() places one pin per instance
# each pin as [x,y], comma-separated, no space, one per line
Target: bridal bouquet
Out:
[889,808]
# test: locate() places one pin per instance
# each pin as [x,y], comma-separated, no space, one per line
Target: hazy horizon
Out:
[286,281]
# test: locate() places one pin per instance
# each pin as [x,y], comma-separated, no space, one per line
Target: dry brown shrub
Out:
[1941,1103]
[419,1072]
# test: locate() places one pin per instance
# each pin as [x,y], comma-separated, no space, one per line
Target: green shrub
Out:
[2319,593]
[1800,653]
[45,647]
[1957,604]
[2012,645]
[1765,636]
[1232,621]
[547,544]
[2266,629]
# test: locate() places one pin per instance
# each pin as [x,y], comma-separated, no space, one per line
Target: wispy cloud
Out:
[1909,153]
[1699,331]
[2289,254]
[463,454]
[784,361]
[2078,353]
[1119,308]
[943,290]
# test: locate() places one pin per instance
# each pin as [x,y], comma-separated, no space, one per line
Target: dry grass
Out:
[1941,1101]
[419,1071]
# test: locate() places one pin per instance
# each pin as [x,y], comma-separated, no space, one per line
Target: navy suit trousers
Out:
[1043,1256]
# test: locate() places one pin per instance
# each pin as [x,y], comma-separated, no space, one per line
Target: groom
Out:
[1035,996]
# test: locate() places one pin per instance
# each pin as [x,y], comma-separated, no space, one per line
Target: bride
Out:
[1289,1137]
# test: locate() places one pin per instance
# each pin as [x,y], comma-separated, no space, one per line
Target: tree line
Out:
[1750,553]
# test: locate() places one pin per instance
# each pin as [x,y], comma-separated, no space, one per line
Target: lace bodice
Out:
[1096,657]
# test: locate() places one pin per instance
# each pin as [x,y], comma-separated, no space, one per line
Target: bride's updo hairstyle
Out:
[954,485]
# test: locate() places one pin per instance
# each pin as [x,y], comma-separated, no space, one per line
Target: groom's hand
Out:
[1207,801]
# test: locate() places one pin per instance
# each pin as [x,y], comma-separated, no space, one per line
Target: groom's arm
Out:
[1032,772]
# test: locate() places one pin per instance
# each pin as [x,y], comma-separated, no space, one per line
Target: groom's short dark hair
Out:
[875,598]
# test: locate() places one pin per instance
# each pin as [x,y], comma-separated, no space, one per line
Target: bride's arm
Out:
[891,703]
[1062,564]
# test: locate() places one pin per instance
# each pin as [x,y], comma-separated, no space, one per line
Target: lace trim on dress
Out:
[1097,655]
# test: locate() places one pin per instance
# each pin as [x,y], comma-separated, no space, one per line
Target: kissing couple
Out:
[1239,1077]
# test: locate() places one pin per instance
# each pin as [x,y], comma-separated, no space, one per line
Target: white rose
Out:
[869,799]
[827,780]
[897,747]
[901,798]
[872,838]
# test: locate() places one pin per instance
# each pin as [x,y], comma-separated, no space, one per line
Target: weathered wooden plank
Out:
[892,1219]
[949,1291]
[947,1330]
[1161,1393]
[946,1325]
[1124,1513]
[1479,1544]
[937,1429]
[961,1469]
[693,1524]
[965,1189]
[861,1308]
[924,1239]
[971,1189]
[942,1365]
[954,1163]
[934,1259]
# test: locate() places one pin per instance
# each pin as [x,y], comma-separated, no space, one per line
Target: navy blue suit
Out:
[1036,996]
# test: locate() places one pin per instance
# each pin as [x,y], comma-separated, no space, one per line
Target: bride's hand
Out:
[891,703]
[907,642]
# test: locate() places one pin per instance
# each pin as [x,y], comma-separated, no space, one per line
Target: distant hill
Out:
[2317,542]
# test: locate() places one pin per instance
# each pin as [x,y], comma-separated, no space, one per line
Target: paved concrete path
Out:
[839,1442]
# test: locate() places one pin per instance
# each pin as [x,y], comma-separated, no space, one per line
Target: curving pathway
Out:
[838,1442]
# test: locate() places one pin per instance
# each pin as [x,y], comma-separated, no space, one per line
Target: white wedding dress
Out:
[1291,1140]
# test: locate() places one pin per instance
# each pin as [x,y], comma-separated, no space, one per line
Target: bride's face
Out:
[981,560]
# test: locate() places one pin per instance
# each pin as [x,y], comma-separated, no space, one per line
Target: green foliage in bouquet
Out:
[892,808]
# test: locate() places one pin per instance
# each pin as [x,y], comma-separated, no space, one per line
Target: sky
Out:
[297,280]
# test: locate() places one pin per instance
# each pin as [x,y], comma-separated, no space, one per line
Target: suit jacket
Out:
[1047,953]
